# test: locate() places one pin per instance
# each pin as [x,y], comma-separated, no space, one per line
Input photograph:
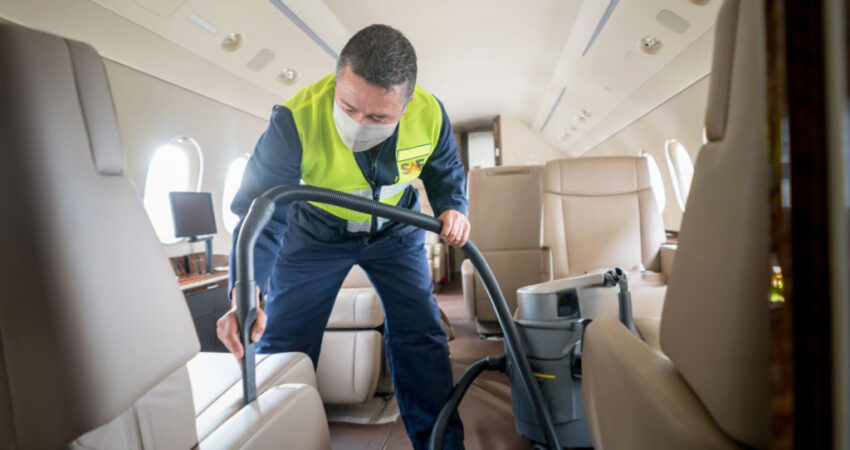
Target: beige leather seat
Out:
[505,214]
[600,213]
[94,331]
[709,386]
[352,348]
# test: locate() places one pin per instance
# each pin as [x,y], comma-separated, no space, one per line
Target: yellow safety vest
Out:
[326,162]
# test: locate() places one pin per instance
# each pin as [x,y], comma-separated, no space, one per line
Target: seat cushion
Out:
[217,384]
[357,308]
[349,366]
[286,416]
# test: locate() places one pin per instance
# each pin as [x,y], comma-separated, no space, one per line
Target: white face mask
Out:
[360,136]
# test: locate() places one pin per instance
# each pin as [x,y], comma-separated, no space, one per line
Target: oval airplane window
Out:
[656,182]
[175,166]
[681,169]
[232,181]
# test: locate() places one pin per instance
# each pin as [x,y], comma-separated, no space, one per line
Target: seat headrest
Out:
[603,176]
[721,71]
[98,109]
[511,198]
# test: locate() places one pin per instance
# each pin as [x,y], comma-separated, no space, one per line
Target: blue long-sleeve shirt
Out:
[277,161]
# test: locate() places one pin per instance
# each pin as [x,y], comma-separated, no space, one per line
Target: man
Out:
[366,130]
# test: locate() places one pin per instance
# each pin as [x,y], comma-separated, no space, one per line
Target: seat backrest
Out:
[505,213]
[91,317]
[600,213]
[505,207]
[715,323]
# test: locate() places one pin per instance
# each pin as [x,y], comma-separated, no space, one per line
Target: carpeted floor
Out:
[485,411]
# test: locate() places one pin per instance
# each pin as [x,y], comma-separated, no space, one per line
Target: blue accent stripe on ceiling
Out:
[552,111]
[604,20]
[304,27]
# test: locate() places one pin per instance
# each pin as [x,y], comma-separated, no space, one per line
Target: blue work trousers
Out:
[304,283]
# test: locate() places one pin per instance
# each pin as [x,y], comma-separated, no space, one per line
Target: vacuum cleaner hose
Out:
[261,211]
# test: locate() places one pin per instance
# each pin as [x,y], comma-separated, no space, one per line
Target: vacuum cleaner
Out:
[542,343]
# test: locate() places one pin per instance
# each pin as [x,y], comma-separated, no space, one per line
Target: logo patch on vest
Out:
[413,166]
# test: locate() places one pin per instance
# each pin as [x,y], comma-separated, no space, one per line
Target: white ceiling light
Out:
[564,136]
[232,42]
[288,76]
[205,24]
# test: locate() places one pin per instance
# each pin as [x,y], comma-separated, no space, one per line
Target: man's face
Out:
[366,102]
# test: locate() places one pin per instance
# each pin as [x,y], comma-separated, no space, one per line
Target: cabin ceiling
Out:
[481,58]
[528,59]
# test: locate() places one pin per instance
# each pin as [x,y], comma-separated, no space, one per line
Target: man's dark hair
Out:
[382,56]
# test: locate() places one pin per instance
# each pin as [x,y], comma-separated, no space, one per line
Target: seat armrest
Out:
[634,397]
[467,273]
[667,251]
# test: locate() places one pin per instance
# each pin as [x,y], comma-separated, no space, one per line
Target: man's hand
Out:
[227,328]
[455,228]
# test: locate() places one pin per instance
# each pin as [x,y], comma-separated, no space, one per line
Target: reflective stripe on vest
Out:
[386,193]
[327,162]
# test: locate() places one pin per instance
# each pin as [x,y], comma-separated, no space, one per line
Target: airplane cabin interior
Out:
[371,224]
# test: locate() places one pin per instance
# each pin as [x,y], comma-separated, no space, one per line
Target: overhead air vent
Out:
[649,44]
[290,14]
[672,21]
[602,22]
[553,108]
[232,42]
[260,60]
[288,76]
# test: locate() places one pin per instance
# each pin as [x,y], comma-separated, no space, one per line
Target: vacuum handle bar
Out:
[260,213]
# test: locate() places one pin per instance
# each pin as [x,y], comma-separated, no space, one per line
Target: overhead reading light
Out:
[649,44]
[232,42]
[580,118]
[564,136]
[573,127]
[288,76]
[586,113]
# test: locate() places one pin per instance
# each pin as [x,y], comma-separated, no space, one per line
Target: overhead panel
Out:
[612,55]
[252,39]
[162,8]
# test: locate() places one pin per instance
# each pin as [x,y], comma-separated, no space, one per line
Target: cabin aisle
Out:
[486,409]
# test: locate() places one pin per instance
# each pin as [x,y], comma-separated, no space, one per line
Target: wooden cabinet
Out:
[207,298]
